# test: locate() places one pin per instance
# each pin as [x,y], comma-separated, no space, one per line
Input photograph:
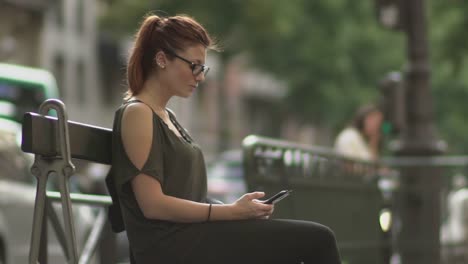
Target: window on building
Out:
[80,19]
[81,83]
[58,11]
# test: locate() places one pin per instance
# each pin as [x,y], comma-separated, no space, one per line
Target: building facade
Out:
[69,48]
[21,22]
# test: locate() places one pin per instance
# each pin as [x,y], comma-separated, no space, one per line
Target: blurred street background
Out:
[291,70]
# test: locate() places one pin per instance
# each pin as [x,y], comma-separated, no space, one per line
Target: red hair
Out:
[156,34]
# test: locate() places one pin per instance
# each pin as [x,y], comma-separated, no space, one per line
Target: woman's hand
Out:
[249,207]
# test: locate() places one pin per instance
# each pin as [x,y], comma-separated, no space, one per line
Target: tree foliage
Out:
[449,46]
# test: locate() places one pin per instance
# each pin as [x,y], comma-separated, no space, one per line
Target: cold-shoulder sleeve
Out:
[124,169]
[154,165]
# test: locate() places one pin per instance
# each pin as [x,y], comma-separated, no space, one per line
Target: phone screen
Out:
[277,197]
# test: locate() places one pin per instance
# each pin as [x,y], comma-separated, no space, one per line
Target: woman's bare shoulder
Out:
[137,132]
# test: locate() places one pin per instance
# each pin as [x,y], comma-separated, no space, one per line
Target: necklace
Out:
[181,130]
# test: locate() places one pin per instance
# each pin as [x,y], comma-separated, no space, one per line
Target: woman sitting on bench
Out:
[159,171]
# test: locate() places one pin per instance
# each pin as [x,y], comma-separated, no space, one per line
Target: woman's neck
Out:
[154,94]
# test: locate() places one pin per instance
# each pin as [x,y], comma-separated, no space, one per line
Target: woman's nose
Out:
[200,77]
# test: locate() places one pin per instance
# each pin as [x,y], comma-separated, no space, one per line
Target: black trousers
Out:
[252,241]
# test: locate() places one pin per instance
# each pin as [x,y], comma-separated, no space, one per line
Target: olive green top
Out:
[176,162]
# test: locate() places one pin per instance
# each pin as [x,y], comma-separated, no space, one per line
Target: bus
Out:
[23,89]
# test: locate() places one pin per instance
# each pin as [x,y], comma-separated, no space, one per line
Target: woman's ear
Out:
[161,59]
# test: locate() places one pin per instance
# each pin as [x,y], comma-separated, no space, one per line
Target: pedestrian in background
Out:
[362,137]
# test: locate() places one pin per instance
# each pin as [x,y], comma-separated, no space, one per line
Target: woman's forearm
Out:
[174,209]
[155,204]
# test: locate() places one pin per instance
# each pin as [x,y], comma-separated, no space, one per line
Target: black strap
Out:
[183,132]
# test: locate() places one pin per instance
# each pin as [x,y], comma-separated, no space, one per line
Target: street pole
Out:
[417,202]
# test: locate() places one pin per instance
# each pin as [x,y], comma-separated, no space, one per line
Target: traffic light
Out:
[391,13]
[392,102]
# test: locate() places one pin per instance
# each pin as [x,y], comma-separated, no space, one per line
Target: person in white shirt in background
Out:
[454,231]
[361,138]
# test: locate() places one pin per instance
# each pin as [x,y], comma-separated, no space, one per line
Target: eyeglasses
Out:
[196,68]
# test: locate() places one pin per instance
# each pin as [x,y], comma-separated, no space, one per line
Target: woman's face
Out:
[182,82]
[372,123]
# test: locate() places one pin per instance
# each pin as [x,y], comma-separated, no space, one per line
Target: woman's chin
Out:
[185,95]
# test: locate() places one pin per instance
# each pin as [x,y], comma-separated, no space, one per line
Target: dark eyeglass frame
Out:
[204,69]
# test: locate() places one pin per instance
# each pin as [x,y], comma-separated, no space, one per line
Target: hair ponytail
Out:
[137,66]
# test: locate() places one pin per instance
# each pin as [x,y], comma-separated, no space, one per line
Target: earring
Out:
[162,66]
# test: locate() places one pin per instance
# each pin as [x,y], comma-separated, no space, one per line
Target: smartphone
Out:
[277,197]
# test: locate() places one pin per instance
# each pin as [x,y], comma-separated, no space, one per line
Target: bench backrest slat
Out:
[86,142]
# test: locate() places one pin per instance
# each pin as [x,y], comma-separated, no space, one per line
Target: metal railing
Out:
[325,181]
[336,191]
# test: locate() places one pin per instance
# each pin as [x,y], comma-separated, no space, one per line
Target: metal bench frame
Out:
[54,141]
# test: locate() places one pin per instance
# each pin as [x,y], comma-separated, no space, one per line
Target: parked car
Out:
[225,177]
[17,198]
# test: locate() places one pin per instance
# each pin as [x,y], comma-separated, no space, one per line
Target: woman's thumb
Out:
[257,195]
